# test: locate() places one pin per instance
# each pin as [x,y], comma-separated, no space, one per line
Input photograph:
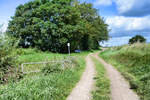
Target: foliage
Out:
[51,24]
[6,57]
[133,62]
[102,91]
[8,62]
[137,38]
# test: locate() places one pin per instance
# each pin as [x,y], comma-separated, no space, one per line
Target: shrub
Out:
[8,60]
[137,38]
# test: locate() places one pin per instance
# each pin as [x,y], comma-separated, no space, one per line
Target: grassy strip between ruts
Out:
[54,86]
[102,85]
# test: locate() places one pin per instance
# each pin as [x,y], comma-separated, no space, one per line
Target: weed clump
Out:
[58,67]
[52,68]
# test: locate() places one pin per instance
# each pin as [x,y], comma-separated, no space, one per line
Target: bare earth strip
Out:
[120,89]
[83,89]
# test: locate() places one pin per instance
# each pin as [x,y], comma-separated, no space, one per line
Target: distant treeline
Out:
[51,24]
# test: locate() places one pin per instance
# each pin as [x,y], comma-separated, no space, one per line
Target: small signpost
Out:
[68,44]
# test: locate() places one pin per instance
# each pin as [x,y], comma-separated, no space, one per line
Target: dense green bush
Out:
[8,64]
[6,56]
[137,38]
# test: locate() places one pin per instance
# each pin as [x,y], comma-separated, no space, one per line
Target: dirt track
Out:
[83,89]
[120,89]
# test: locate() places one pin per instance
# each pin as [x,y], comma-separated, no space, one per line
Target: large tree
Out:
[51,24]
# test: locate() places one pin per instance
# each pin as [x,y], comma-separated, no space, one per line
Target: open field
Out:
[133,62]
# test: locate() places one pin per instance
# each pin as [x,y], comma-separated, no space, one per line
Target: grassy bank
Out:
[55,85]
[134,64]
[102,89]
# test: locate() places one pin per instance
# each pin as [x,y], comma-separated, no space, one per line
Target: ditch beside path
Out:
[120,88]
[83,89]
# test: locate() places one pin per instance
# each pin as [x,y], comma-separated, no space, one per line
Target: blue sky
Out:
[7,9]
[125,18]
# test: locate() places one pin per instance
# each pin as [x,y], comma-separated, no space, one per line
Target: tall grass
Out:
[134,63]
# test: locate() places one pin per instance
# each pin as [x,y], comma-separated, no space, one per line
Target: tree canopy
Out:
[137,38]
[51,24]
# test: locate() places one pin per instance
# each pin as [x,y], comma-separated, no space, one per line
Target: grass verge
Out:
[102,89]
[133,62]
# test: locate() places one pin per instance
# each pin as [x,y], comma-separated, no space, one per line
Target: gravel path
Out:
[120,89]
[83,89]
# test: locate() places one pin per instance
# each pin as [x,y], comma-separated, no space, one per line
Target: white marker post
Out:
[68,44]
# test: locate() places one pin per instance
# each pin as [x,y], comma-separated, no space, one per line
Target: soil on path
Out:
[83,89]
[120,88]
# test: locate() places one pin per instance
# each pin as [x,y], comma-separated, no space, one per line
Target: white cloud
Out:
[102,2]
[133,7]
[128,7]
[121,24]
[124,5]
[114,41]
